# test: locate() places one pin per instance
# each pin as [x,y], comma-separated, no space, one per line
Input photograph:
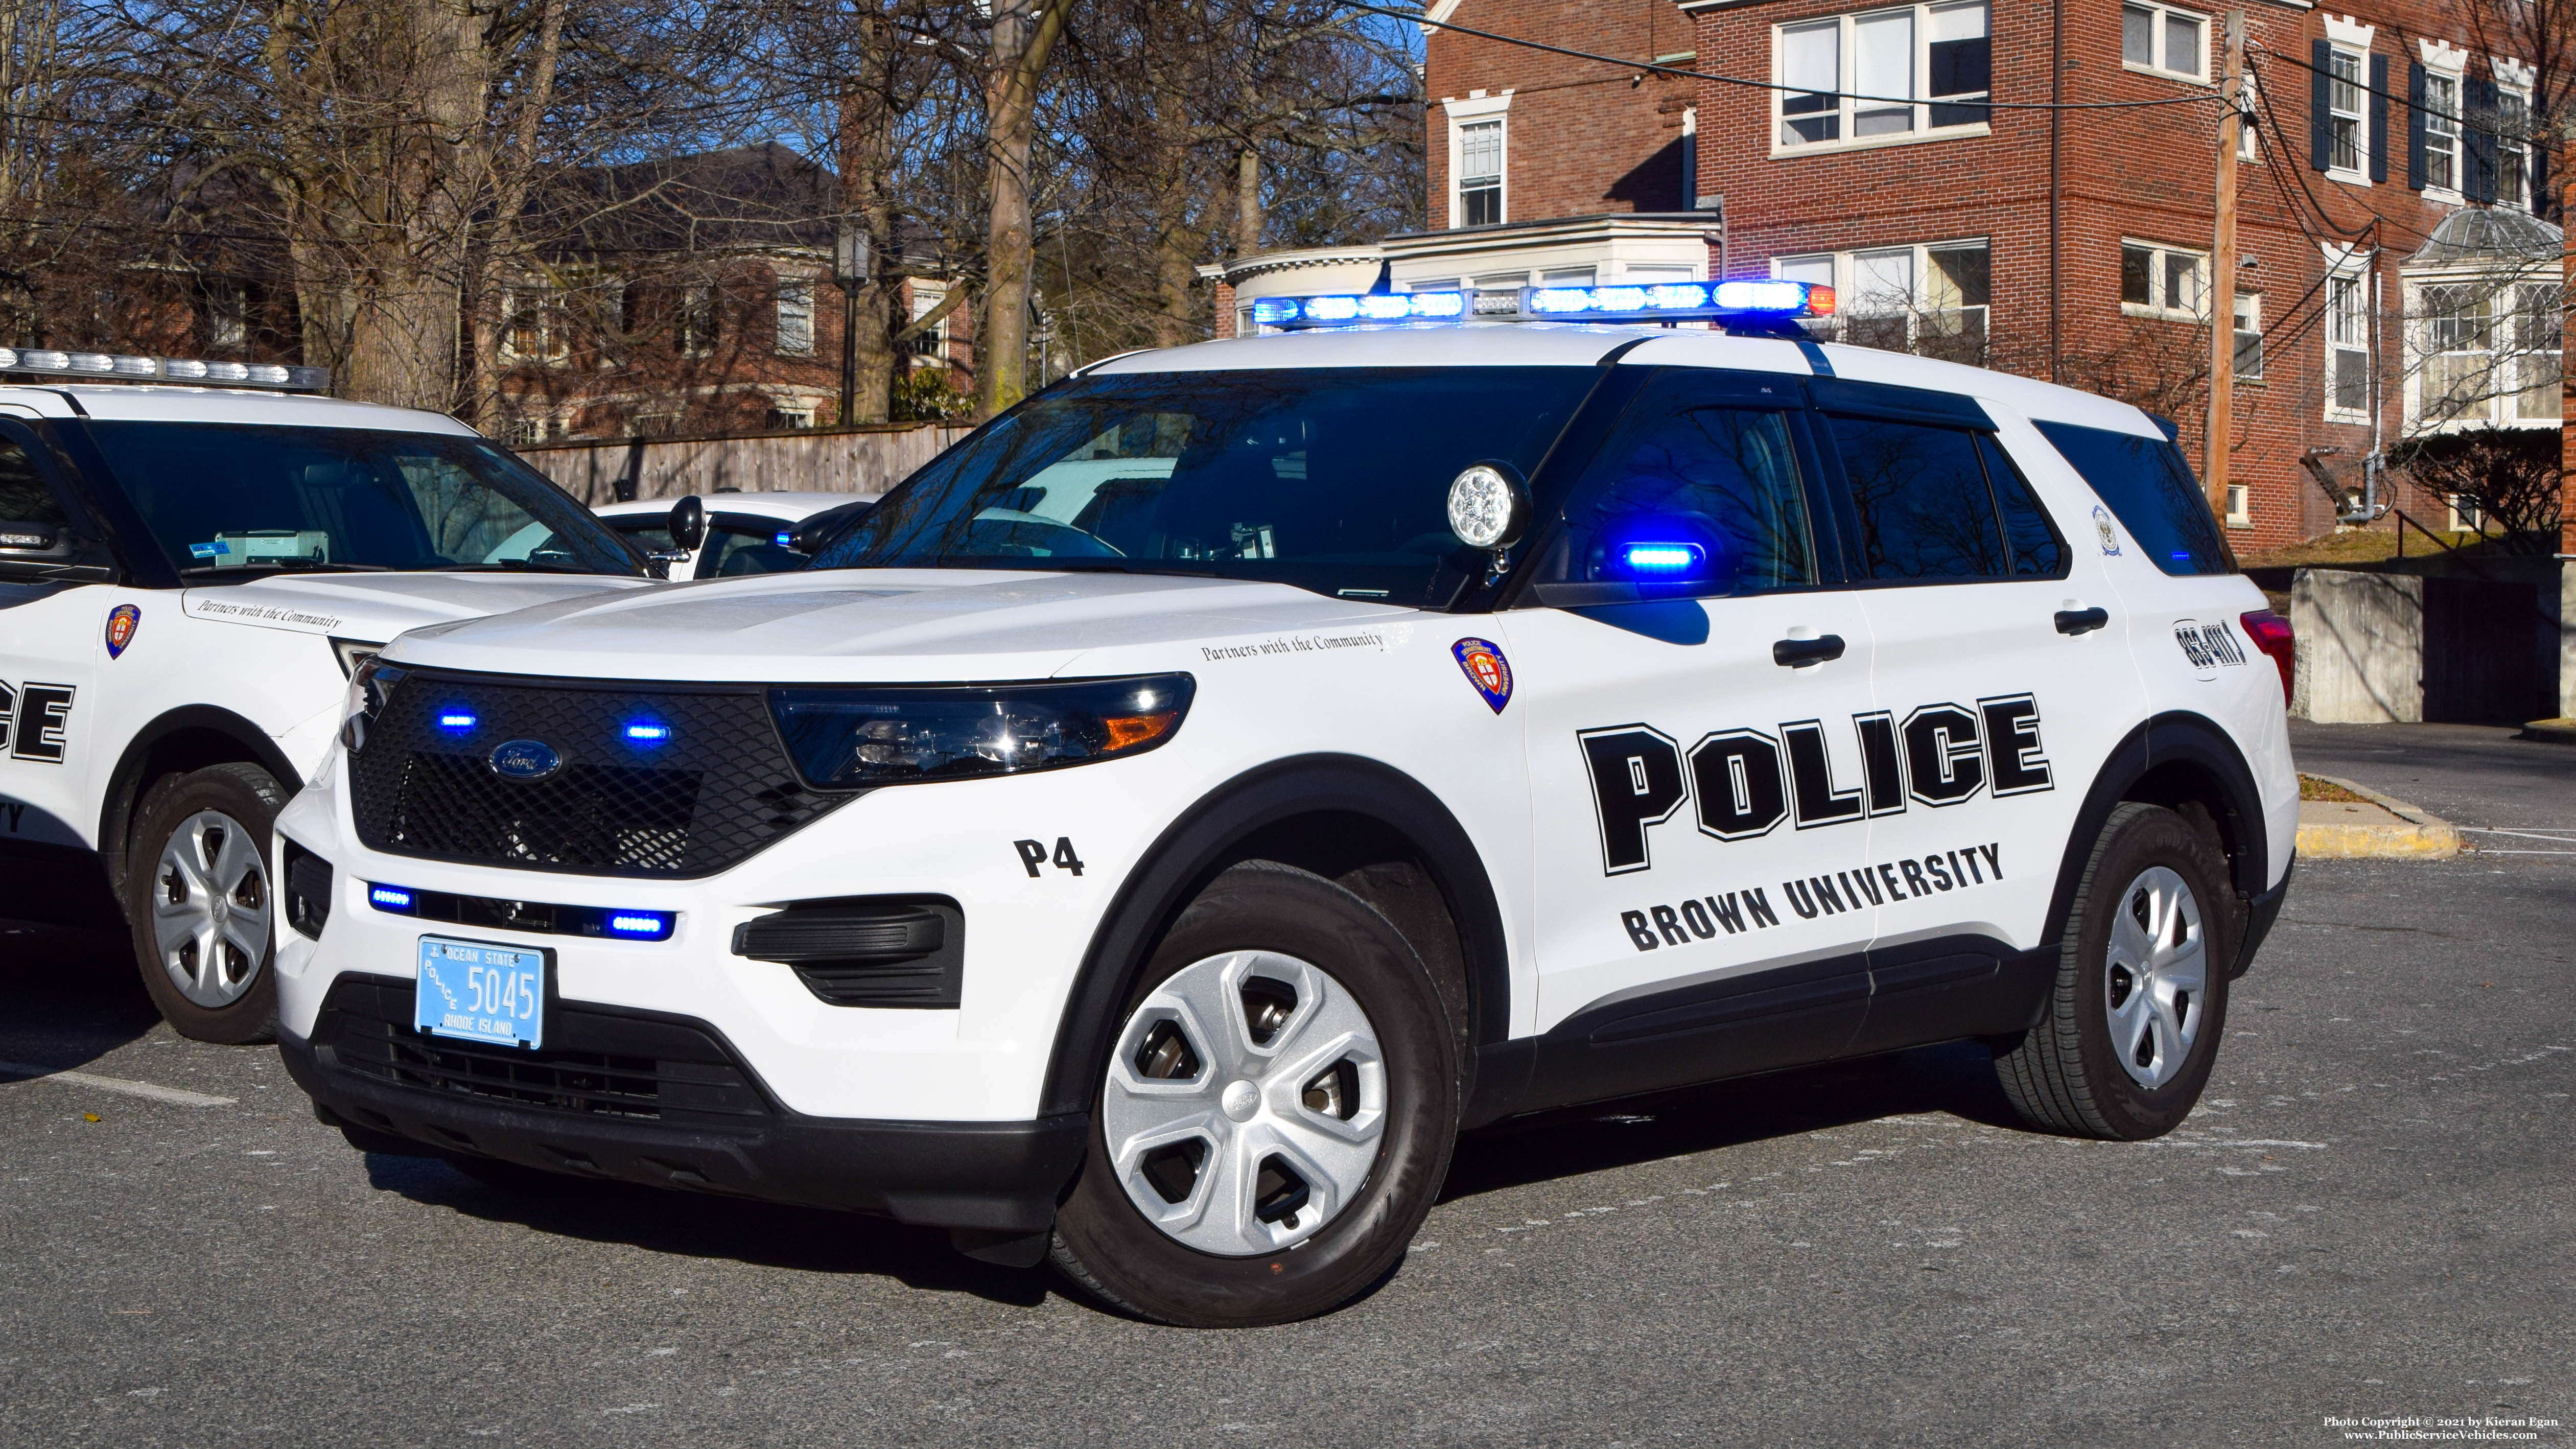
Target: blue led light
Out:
[1332,309]
[389,898]
[1662,558]
[1773,296]
[1619,299]
[1272,311]
[781,539]
[1439,304]
[1385,307]
[1677,294]
[456,721]
[1555,300]
[648,732]
[639,923]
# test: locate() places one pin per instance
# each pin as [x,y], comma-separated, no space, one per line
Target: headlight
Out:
[848,739]
[370,680]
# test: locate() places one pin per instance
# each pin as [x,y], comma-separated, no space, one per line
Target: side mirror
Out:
[689,523]
[810,534]
[32,552]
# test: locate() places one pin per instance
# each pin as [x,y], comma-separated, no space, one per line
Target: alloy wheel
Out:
[2154,976]
[211,909]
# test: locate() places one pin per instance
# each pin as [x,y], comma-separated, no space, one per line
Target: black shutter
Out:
[2379,118]
[2320,106]
[2479,181]
[2415,125]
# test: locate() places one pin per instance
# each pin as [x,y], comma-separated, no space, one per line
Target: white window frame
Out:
[227,318]
[795,304]
[2162,65]
[930,349]
[699,303]
[2513,347]
[2249,134]
[1851,304]
[2512,155]
[2350,269]
[2443,136]
[2240,506]
[1476,109]
[2248,306]
[2159,303]
[544,300]
[1846,72]
[2358,172]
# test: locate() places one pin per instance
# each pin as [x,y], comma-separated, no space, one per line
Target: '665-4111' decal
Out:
[1741,783]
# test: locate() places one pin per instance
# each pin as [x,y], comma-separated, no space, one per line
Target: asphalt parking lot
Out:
[2370,1218]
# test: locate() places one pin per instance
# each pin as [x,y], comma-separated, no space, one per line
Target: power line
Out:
[1730,80]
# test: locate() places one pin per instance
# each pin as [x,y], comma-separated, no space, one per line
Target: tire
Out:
[201,904]
[2131,1029]
[1338,1056]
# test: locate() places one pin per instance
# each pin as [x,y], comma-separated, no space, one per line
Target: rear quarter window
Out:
[2150,489]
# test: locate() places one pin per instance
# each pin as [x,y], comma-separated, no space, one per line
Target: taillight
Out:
[2271,634]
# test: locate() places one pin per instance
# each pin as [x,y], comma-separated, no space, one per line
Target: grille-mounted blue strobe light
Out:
[456,721]
[646,732]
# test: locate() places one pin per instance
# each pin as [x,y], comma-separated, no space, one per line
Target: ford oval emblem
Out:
[524,759]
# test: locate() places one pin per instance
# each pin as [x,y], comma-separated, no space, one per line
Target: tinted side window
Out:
[2150,488]
[24,498]
[1925,512]
[2038,550]
[1726,478]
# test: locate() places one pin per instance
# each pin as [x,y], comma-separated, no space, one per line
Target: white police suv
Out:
[186,575]
[1150,835]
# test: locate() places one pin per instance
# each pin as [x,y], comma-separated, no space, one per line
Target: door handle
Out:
[2071,622]
[1799,653]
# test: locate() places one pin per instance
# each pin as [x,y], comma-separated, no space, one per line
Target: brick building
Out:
[2394,279]
[696,295]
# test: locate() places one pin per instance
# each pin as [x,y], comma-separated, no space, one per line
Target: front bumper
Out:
[665,1100]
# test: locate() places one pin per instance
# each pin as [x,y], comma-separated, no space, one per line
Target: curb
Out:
[2421,835]
[2560,731]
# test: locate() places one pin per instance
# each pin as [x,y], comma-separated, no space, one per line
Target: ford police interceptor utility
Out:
[186,574]
[1151,834]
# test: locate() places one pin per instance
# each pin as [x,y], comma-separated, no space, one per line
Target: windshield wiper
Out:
[290,564]
[512,565]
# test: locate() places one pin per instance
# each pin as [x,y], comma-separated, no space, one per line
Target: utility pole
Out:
[2222,262]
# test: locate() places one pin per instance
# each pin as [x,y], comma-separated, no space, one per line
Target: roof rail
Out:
[127,367]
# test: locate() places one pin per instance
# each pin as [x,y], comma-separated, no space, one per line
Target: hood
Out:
[852,624]
[376,607]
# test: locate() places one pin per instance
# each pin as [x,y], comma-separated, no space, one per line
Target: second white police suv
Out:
[1152,834]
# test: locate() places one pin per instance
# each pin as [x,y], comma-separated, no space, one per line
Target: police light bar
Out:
[125,367]
[1751,301]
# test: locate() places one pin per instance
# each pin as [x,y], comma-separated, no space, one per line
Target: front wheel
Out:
[1276,1111]
[2131,1031]
[199,899]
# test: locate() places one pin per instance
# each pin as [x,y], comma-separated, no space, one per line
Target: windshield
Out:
[1335,480]
[223,497]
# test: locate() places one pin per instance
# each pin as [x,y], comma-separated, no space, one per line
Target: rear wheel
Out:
[2132,1029]
[200,904]
[1276,1111]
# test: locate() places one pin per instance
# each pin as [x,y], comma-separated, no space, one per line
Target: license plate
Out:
[475,991]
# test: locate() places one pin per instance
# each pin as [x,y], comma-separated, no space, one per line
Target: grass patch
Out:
[2312,788]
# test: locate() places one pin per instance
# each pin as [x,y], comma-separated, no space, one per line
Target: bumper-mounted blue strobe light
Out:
[639,925]
[391,898]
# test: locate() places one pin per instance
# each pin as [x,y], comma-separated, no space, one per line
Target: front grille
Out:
[716,790]
[596,1062]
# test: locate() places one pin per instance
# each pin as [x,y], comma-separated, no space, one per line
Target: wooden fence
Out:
[866,459]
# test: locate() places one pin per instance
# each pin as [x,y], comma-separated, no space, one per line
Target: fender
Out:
[116,809]
[1182,859]
[2177,736]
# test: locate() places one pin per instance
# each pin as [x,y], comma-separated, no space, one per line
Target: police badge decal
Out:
[1486,669]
